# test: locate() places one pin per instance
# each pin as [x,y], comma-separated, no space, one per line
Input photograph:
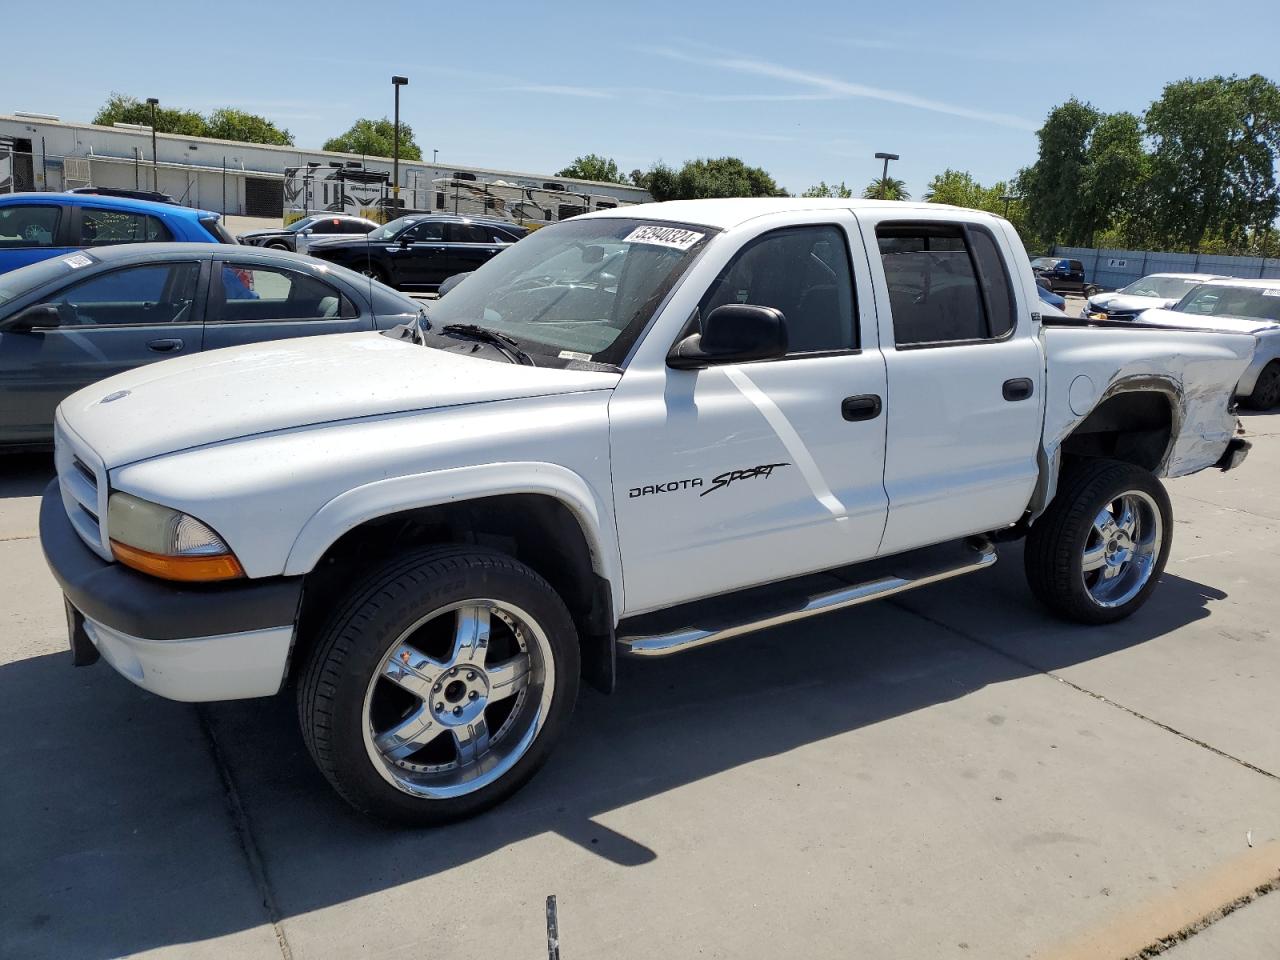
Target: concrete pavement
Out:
[950,774]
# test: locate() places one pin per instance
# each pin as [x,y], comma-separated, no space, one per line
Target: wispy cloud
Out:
[834,87]
[562,90]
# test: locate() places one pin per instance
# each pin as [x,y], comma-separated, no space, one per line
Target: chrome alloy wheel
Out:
[458,699]
[1121,549]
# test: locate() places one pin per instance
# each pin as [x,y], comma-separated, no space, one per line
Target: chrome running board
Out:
[791,601]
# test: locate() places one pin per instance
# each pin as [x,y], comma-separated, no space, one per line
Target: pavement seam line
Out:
[20,536]
[244,834]
[1191,929]
[1086,691]
[1223,506]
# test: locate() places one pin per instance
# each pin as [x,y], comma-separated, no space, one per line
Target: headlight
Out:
[167,543]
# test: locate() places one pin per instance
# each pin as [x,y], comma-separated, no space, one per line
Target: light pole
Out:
[1006,198]
[397,83]
[434,153]
[155,164]
[884,176]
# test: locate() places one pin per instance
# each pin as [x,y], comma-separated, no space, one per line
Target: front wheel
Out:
[1096,553]
[1266,391]
[441,686]
[376,272]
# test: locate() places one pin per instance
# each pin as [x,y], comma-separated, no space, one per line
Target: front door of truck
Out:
[965,369]
[740,474]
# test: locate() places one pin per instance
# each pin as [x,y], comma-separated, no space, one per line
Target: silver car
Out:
[1237,306]
[1150,293]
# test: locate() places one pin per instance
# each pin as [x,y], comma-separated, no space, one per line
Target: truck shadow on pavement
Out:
[123,829]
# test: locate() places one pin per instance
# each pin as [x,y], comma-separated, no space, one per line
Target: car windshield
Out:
[17,282]
[389,230]
[1217,300]
[576,290]
[300,224]
[1164,288]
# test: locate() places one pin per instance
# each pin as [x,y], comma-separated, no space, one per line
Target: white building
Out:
[39,152]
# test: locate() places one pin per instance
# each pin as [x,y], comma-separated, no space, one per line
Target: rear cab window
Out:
[948,284]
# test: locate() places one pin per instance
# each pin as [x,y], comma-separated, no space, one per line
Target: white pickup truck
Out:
[634,432]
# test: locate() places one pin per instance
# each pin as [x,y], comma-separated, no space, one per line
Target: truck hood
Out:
[241,391]
[1193,321]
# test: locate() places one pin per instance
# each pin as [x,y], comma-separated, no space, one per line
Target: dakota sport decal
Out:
[718,482]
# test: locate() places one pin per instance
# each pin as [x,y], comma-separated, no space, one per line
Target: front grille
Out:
[82,480]
[1121,315]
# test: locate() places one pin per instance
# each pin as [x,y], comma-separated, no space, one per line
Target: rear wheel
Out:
[441,686]
[277,246]
[1096,553]
[376,272]
[1266,391]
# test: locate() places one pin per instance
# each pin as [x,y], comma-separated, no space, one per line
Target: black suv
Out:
[1063,275]
[421,251]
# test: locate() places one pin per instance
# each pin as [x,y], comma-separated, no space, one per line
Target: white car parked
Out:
[1149,293]
[634,432]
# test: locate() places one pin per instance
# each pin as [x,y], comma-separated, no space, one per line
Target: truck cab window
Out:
[802,271]
[946,284]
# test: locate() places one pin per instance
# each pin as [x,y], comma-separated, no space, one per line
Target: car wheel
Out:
[1266,390]
[440,686]
[376,272]
[1090,290]
[277,246]
[1096,553]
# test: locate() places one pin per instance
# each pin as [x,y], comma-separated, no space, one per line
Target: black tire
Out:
[375,271]
[356,641]
[1266,390]
[1055,547]
[277,246]
[1089,290]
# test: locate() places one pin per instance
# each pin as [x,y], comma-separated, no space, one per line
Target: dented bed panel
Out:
[1197,370]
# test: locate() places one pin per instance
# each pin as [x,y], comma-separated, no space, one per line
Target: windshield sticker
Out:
[574,355]
[675,237]
[77,260]
[1271,292]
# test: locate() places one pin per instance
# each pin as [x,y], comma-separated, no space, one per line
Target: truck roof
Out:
[730,212]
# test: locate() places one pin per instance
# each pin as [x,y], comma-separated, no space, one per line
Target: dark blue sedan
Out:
[37,226]
[74,319]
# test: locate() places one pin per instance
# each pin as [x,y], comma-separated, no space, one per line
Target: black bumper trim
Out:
[154,609]
[1237,449]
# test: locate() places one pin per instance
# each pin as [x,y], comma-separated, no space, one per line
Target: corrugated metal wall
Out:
[1116,268]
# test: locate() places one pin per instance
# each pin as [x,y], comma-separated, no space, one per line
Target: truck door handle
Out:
[865,407]
[164,346]
[1020,388]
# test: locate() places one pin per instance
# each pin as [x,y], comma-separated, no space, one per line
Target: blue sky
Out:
[807,90]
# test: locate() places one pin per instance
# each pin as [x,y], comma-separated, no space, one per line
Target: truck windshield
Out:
[1253,303]
[577,290]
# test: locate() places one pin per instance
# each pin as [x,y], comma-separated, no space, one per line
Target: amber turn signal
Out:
[188,568]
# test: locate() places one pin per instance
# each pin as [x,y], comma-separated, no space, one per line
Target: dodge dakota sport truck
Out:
[634,432]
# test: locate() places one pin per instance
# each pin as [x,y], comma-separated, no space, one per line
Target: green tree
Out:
[1053,184]
[840,192]
[375,138]
[121,108]
[887,188]
[960,189]
[710,177]
[593,166]
[1213,166]
[1113,188]
[231,124]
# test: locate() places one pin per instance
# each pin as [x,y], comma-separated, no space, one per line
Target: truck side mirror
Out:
[35,316]
[733,333]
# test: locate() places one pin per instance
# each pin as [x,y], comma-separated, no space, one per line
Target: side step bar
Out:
[897,574]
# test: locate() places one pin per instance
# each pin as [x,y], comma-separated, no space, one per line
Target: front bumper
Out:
[220,641]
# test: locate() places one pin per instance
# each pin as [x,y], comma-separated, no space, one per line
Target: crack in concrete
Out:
[1208,920]
[244,834]
[1190,930]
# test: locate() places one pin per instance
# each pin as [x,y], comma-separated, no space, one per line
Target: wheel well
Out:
[538,530]
[1135,427]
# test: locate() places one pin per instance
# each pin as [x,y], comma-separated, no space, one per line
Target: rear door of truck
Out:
[965,373]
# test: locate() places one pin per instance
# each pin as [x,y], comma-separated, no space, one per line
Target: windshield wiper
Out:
[500,340]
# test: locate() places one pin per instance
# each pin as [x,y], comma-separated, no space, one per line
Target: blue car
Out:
[37,226]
